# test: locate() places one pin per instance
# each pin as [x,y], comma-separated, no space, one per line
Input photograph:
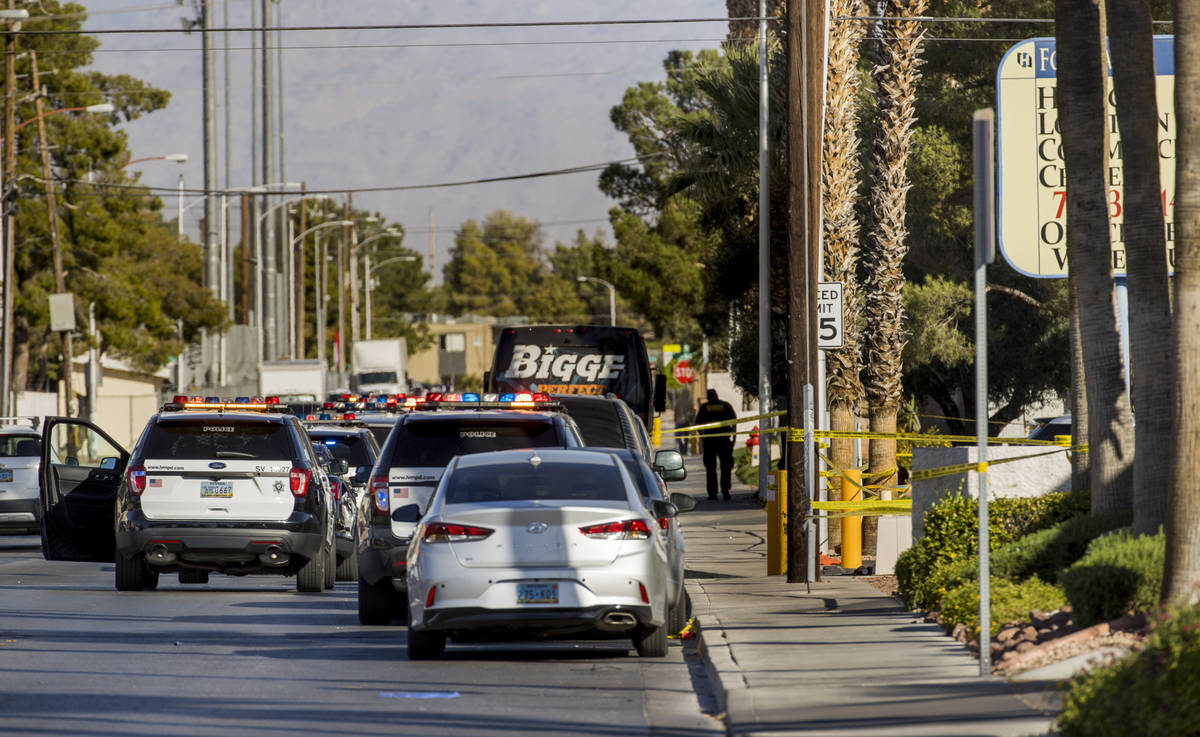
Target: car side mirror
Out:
[407,513]
[339,467]
[662,508]
[108,463]
[683,502]
[669,465]
[362,474]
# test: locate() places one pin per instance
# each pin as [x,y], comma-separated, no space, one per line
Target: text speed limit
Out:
[829,315]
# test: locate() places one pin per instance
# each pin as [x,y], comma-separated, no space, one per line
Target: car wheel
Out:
[311,578]
[376,602]
[192,575]
[426,644]
[677,616]
[331,568]
[347,570]
[134,574]
[650,642]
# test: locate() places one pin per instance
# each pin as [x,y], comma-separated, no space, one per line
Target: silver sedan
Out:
[545,542]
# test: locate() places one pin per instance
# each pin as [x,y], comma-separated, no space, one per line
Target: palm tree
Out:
[1082,113]
[1133,74]
[840,167]
[897,78]
[1182,569]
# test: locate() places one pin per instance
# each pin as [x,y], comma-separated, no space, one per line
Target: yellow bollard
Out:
[852,526]
[777,524]
[656,433]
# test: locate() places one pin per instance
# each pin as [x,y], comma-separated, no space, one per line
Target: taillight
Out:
[642,591]
[663,522]
[630,529]
[336,487]
[380,494]
[135,477]
[448,532]
[300,479]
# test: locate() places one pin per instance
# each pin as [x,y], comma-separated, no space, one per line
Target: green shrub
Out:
[1121,573]
[1011,601]
[742,469]
[1157,689]
[951,538]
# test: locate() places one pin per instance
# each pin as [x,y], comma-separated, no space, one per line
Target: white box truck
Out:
[379,366]
[298,382]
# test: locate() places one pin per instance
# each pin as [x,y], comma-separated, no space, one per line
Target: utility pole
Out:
[270,306]
[60,281]
[7,393]
[212,241]
[805,53]
[343,255]
[301,272]
[322,276]
[227,255]
[246,289]
[764,255]
[431,244]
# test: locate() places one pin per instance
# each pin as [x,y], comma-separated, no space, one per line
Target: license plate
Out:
[6,474]
[216,489]
[537,593]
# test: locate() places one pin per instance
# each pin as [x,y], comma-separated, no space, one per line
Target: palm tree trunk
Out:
[1133,74]
[1182,570]
[1081,466]
[1082,112]
[840,168]
[897,79]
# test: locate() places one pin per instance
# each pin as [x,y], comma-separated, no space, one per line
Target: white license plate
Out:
[537,593]
[6,474]
[216,489]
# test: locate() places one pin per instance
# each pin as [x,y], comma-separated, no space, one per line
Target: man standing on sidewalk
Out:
[717,442]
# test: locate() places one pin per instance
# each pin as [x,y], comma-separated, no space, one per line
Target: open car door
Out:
[81,471]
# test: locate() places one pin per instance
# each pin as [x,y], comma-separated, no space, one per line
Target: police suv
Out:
[423,441]
[211,486]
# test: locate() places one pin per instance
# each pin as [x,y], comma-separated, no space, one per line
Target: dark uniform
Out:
[717,443]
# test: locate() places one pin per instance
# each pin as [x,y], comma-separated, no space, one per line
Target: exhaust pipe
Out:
[159,555]
[273,556]
[620,619]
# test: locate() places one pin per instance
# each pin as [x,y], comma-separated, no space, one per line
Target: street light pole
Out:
[612,296]
[391,232]
[12,18]
[319,226]
[370,270]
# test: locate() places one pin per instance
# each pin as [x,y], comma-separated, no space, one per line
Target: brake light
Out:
[135,477]
[336,486]
[642,591]
[429,599]
[300,479]
[630,529]
[448,532]
[380,494]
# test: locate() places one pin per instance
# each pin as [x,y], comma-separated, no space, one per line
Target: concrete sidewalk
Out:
[836,658]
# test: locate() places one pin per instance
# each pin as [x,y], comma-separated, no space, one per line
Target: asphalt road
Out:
[250,656]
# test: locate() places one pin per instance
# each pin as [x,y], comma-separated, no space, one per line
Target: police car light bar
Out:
[181,403]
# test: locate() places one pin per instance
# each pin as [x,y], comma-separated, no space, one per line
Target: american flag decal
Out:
[155,482]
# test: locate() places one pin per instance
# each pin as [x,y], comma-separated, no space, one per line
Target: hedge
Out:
[1121,573]
[1010,601]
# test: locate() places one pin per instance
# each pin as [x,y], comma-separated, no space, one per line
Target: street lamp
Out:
[320,296]
[180,159]
[370,285]
[389,233]
[612,296]
[266,268]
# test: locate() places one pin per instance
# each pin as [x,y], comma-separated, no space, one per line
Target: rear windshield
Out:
[352,449]
[435,442]
[377,377]
[526,482]
[218,438]
[599,422]
[20,446]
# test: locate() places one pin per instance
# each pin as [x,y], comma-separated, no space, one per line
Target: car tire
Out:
[376,603]
[311,578]
[331,568]
[426,644]
[650,642]
[347,570]
[134,574]
[193,576]
[677,616]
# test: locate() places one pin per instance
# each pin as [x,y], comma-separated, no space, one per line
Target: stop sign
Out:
[683,371]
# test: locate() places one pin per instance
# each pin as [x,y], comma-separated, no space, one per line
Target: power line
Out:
[392,26]
[453,44]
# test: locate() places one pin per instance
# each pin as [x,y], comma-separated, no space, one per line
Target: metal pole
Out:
[256,92]
[985,230]
[93,364]
[179,209]
[764,256]
[7,390]
[367,292]
[211,240]
[270,264]
[279,89]
[612,305]
[353,259]
[343,248]
[322,267]
[222,276]
[60,281]
[810,482]
[258,278]
[291,279]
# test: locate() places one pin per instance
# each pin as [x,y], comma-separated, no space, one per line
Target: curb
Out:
[713,650]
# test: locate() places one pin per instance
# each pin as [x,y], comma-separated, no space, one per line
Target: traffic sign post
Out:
[830,316]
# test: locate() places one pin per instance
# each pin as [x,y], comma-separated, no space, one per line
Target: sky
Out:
[400,107]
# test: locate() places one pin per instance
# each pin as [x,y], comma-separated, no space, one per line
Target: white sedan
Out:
[546,542]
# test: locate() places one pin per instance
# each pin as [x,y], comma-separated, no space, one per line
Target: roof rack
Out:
[30,420]
[181,403]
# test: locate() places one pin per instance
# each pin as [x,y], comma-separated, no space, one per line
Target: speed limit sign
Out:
[829,315]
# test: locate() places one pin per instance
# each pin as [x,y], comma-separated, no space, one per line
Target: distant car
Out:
[211,486]
[1049,427]
[410,466]
[352,443]
[607,422]
[544,542]
[20,457]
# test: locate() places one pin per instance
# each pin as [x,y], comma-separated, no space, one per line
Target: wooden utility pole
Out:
[805,87]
